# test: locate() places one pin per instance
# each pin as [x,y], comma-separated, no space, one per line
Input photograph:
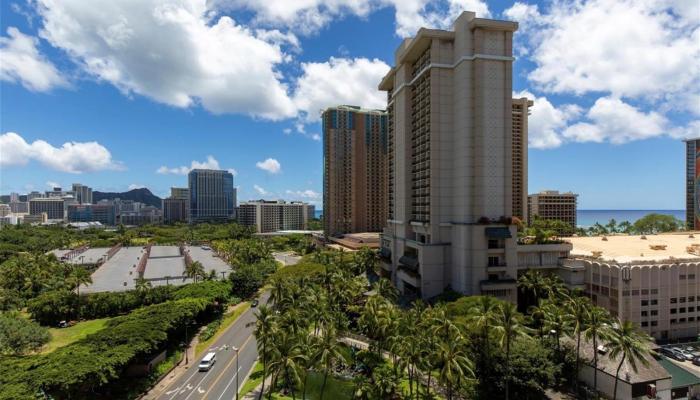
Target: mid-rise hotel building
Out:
[653,281]
[274,215]
[451,165]
[176,208]
[212,195]
[354,170]
[82,193]
[54,207]
[552,205]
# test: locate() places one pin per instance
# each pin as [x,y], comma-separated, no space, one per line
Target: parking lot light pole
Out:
[237,371]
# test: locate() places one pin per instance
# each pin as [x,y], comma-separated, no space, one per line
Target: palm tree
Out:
[555,320]
[385,288]
[455,363]
[625,227]
[194,270]
[481,318]
[577,309]
[509,326]
[265,328]
[597,323]
[535,283]
[327,353]
[79,276]
[287,359]
[627,341]
[142,285]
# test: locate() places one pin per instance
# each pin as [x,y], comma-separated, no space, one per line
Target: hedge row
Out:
[51,307]
[80,369]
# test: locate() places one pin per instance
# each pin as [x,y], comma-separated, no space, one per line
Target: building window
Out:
[645,323]
[644,313]
[681,277]
[673,321]
[673,311]
[494,261]
[654,291]
[654,312]
[691,298]
[645,303]
[654,323]
[691,319]
[682,310]
[653,302]
[691,309]
[681,300]
[691,276]
[674,300]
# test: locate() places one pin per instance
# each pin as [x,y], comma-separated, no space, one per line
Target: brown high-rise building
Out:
[552,205]
[354,170]
[521,110]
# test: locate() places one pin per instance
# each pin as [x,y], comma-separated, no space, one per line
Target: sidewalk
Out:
[253,394]
[159,388]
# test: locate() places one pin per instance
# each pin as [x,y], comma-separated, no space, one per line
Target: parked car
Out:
[254,303]
[672,353]
[678,354]
[688,356]
[696,361]
[206,248]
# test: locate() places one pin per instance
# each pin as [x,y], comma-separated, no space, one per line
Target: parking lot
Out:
[209,260]
[89,256]
[690,350]
[165,266]
[118,273]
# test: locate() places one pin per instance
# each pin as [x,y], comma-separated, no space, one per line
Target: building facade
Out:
[54,207]
[451,174]
[552,205]
[104,213]
[692,184]
[272,216]
[82,193]
[354,170]
[212,195]
[176,208]
[521,111]
[19,207]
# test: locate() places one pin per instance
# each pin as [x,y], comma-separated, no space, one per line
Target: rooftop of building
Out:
[638,248]
[645,373]
[348,107]
[553,193]
[355,241]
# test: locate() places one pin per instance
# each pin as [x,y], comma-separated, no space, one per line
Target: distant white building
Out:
[274,215]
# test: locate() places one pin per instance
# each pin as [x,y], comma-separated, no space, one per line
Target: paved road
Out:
[219,382]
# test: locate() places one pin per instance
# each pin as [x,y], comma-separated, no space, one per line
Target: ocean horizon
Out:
[588,218]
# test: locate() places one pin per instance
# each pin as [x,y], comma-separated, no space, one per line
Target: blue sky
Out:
[120,94]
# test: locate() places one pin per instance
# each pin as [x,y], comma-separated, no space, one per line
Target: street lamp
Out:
[237,371]
[187,344]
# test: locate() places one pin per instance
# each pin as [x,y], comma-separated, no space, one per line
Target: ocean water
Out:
[587,218]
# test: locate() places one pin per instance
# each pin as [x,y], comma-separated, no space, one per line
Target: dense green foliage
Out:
[248,278]
[19,335]
[649,224]
[54,306]
[80,369]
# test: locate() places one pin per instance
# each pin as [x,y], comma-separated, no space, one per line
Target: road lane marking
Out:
[229,384]
[213,385]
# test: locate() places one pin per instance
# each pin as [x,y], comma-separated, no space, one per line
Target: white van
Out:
[207,361]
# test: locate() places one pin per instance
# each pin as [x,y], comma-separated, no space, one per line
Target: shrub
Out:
[19,335]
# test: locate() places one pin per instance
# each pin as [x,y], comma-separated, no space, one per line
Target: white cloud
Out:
[176,52]
[414,14]
[136,186]
[232,171]
[23,63]
[270,165]
[628,48]
[260,190]
[209,163]
[303,194]
[613,120]
[72,157]
[339,81]
[309,16]
[546,121]
[52,184]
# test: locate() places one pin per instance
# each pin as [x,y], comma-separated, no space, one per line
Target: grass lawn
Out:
[254,379]
[227,320]
[64,336]
[336,389]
